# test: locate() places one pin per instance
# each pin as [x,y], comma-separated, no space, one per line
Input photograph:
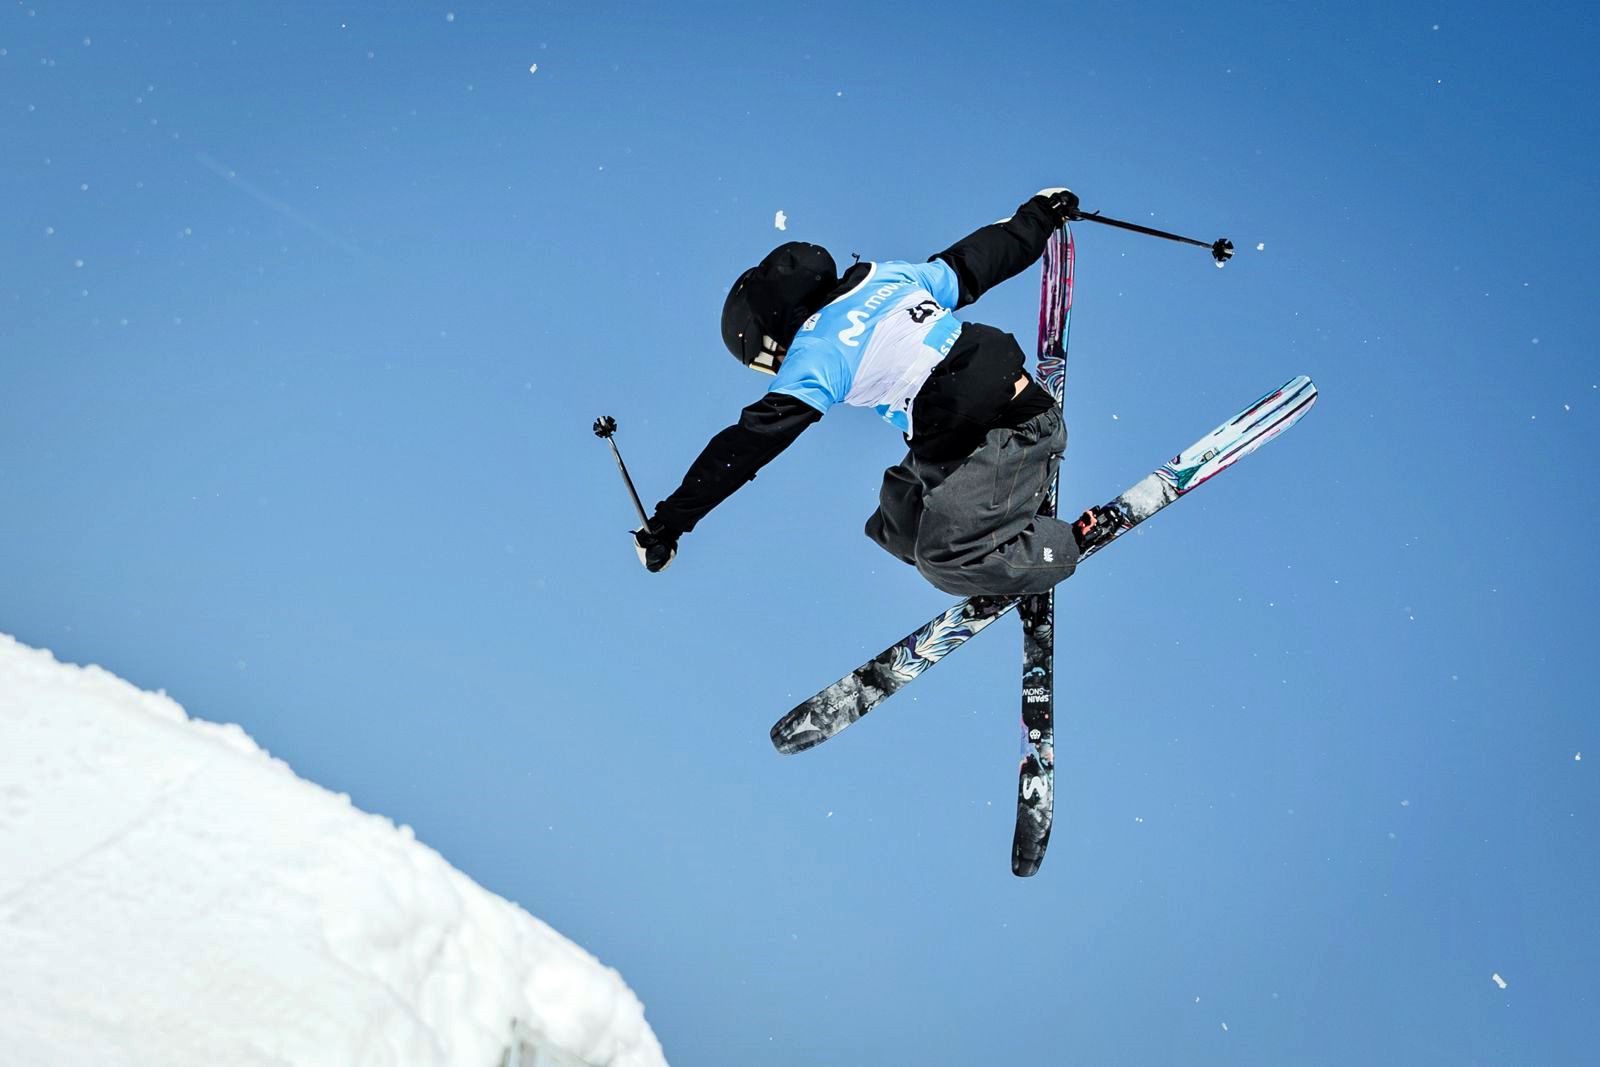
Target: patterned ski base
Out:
[1036,769]
[1036,772]
[846,701]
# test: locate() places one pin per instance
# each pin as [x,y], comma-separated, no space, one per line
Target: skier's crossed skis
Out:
[881,336]
[823,715]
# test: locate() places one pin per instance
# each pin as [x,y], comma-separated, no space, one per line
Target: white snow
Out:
[1501,982]
[781,221]
[171,894]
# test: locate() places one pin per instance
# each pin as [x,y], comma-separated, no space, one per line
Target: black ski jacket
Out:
[968,393]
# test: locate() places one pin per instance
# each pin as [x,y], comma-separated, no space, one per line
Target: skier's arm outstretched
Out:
[988,256]
[733,457]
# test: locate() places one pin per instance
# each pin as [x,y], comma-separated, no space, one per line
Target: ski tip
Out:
[1029,843]
[1025,866]
[1304,392]
[1300,383]
[788,744]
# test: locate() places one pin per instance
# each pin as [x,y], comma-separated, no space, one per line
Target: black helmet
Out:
[768,303]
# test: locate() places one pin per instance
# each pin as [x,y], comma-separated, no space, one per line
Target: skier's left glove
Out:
[656,545]
[1063,204]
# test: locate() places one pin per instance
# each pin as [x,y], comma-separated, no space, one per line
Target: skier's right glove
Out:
[656,544]
[1098,525]
[1063,204]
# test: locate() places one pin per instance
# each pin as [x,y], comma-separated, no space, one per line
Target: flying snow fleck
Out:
[781,221]
[1224,1027]
[1501,982]
[1261,246]
[1578,758]
[534,69]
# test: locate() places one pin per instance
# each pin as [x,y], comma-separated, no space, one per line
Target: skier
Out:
[984,438]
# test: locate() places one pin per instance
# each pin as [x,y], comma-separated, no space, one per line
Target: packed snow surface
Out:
[172,895]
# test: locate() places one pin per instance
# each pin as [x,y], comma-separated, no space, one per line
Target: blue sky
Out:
[306,311]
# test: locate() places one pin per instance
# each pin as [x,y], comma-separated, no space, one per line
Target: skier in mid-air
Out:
[984,438]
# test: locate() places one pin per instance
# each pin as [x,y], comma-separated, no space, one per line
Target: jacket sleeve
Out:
[985,258]
[733,457]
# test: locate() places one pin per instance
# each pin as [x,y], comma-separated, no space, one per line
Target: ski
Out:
[823,715]
[1036,768]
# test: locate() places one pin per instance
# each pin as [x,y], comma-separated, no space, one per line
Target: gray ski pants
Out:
[972,527]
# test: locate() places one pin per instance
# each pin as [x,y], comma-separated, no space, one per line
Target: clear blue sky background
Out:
[306,310]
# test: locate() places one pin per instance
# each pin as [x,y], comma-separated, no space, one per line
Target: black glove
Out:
[656,545]
[1098,525]
[1063,204]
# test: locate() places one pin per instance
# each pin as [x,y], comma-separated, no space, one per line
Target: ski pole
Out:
[1221,248]
[604,427]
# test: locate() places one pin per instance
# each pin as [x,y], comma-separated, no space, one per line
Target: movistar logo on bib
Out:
[851,335]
